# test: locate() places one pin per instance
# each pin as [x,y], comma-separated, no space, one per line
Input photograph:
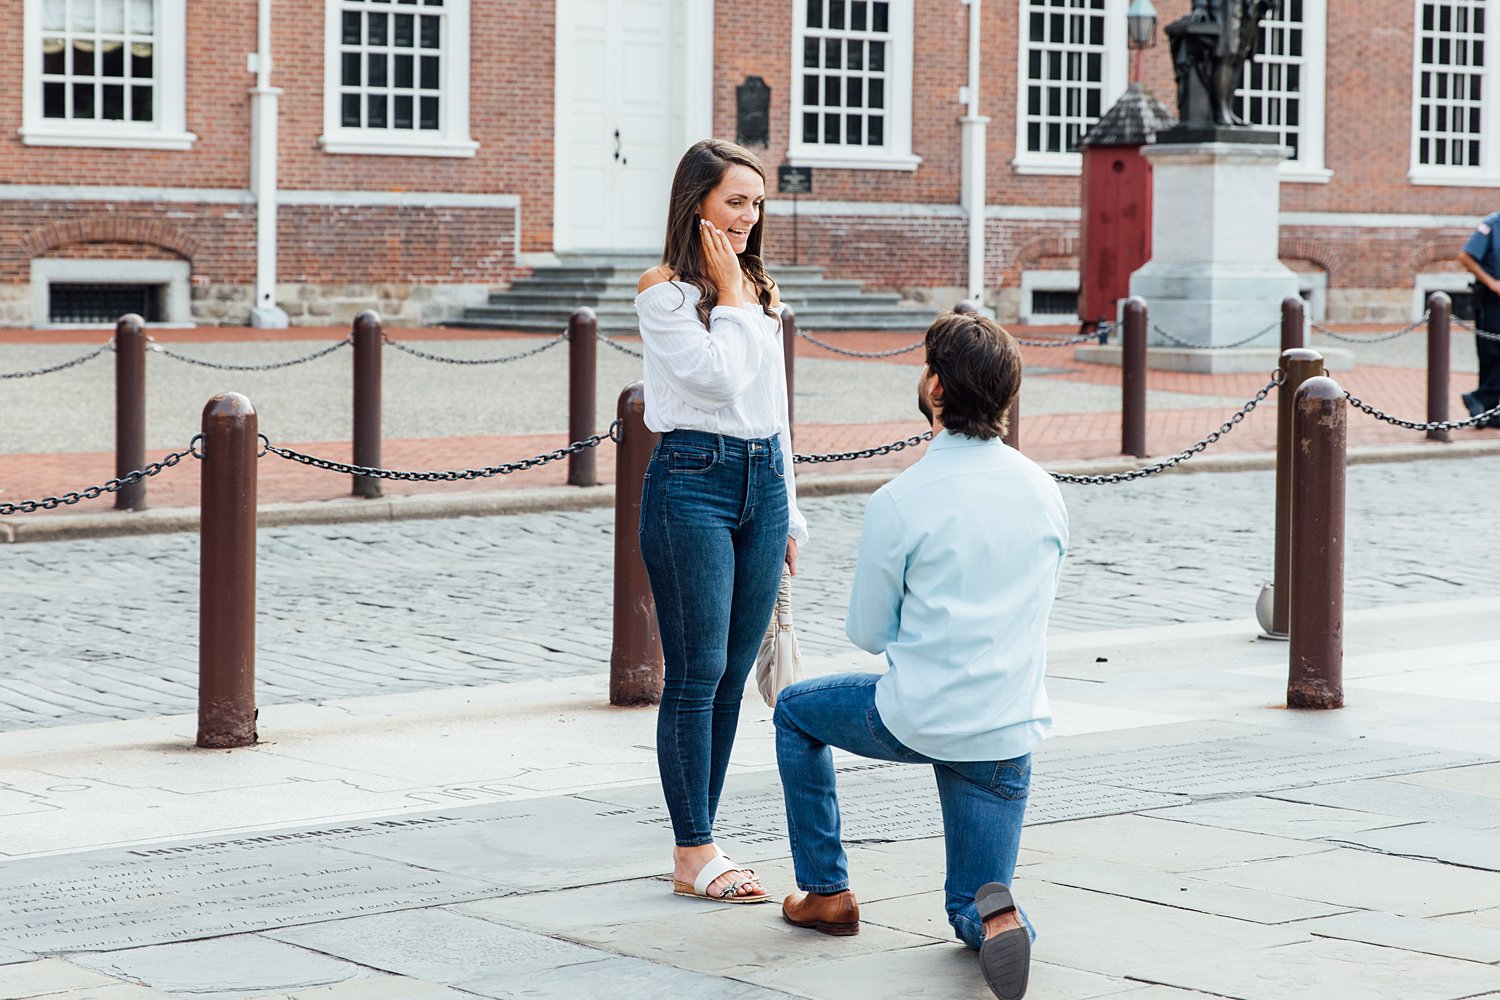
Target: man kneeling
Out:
[957,569]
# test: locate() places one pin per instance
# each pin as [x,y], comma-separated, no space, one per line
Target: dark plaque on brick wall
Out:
[794,180]
[753,112]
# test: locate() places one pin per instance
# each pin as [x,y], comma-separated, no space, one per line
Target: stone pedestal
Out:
[1214,277]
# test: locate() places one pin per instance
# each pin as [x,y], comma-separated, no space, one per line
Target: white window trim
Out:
[1487,174]
[897,154]
[175,275]
[169,131]
[1047,281]
[1309,167]
[453,141]
[1116,70]
[1436,281]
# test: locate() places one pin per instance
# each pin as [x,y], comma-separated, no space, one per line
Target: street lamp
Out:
[1141,18]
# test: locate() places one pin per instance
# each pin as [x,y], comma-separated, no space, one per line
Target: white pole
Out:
[973,181]
[263,146]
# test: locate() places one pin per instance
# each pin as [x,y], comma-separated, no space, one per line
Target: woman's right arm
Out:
[709,368]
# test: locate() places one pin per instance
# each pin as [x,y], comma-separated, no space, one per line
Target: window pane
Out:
[112,59]
[836,14]
[854,92]
[432,32]
[375,106]
[876,131]
[351,31]
[858,10]
[113,104]
[405,70]
[54,100]
[831,128]
[810,49]
[376,64]
[877,56]
[809,89]
[350,74]
[430,73]
[832,53]
[349,111]
[141,60]
[854,55]
[83,59]
[406,29]
[83,100]
[854,130]
[402,118]
[141,109]
[143,17]
[831,96]
[430,113]
[54,15]
[880,21]
[877,93]
[376,28]
[112,18]
[54,56]
[809,125]
[815,13]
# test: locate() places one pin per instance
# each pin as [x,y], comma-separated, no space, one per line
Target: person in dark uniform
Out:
[1481,255]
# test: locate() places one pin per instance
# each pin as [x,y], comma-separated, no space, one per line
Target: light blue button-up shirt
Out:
[958,566]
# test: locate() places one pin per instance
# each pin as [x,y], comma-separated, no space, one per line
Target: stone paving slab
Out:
[1468,942]
[225,968]
[1477,849]
[1276,818]
[1403,801]
[375,987]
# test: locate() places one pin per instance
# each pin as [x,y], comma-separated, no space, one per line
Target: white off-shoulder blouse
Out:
[727,379]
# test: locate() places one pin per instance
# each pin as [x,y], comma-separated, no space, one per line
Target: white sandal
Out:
[716,867]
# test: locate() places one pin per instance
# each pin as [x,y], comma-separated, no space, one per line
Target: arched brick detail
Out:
[1433,251]
[1048,245]
[109,229]
[1303,248]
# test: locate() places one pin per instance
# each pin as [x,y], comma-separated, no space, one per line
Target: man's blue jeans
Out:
[713,536]
[983,802]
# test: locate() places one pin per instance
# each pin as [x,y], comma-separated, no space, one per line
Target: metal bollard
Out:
[130,408]
[583,369]
[1133,379]
[1316,662]
[1297,366]
[226,574]
[635,658]
[368,343]
[1293,323]
[1439,347]
[789,360]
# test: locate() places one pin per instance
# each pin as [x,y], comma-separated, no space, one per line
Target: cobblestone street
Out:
[107,628]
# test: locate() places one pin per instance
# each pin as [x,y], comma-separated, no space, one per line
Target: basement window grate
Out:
[102,303]
[1463,305]
[1054,303]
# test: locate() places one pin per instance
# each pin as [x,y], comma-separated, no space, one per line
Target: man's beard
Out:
[924,405]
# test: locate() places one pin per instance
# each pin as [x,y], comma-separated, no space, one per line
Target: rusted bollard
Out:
[635,659]
[130,409]
[789,360]
[1297,366]
[1133,379]
[1293,323]
[368,343]
[583,349]
[226,574]
[1316,663]
[1439,347]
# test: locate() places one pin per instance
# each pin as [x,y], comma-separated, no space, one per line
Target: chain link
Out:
[1182,456]
[850,456]
[1216,347]
[109,486]
[152,345]
[859,354]
[1080,338]
[1481,334]
[619,346]
[66,364]
[1370,338]
[447,475]
[414,352]
[1478,420]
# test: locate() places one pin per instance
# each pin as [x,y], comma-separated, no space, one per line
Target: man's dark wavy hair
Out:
[980,369]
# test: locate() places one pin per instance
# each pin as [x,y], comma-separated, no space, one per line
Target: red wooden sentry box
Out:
[1115,202]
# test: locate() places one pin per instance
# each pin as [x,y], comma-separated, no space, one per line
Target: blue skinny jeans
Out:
[713,536]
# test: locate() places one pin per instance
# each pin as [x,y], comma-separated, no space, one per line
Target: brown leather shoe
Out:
[838,915]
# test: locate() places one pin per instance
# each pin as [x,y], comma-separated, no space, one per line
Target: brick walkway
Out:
[1047,437]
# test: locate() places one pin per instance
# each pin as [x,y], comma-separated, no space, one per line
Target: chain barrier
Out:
[850,456]
[1370,338]
[152,345]
[66,364]
[1182,456]
[1081,338]
[414,352]
[1478,420]
[859,354]
[1216,347]
[619,346]
[447,475]
[109,486]
[1481,334]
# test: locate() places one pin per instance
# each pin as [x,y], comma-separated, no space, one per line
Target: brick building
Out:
[413,155]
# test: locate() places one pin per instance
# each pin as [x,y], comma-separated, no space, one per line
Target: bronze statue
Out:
[1209,50]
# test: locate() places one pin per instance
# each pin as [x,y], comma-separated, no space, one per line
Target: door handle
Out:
[622,161]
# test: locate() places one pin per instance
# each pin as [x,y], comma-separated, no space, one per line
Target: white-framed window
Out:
[1072,69]
[1453,140]
[396,78]
[1282,86]
[105,73]
[852,84]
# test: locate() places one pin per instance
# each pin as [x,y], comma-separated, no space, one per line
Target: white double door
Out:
[633,91]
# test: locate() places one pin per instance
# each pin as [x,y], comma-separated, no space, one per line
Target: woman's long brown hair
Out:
[699,171]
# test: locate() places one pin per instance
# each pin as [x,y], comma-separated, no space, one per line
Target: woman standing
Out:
[718,508]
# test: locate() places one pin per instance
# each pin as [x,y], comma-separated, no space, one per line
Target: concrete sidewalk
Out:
[1188,836]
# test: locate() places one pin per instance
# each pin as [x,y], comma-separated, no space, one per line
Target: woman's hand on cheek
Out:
[722,264]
